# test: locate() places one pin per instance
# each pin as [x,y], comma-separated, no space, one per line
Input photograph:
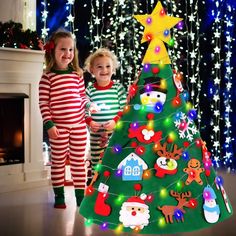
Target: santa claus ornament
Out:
[134,212]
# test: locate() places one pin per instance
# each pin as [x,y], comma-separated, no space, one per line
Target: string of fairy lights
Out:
[112,24]
[118,31]
[44,16]
[216,75]
[69,23]
[228,138]
[222,28]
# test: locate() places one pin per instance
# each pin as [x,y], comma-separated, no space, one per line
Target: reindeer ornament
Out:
[166,162]
[177,211]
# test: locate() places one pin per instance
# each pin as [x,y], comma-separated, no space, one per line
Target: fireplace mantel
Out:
[20,72]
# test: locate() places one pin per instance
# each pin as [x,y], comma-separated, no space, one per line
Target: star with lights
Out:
[157,31]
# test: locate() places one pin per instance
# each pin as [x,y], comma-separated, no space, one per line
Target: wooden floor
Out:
[31,213]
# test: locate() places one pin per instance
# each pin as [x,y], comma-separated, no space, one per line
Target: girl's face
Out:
[64,53]
[102,69]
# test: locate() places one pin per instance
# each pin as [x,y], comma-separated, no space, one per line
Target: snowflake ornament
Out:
[186,127]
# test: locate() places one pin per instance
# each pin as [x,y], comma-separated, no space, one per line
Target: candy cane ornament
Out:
[219,186]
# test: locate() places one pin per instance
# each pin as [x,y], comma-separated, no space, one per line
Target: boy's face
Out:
[102,69]
[64,53]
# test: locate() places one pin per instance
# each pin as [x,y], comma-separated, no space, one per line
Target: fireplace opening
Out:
[12,128]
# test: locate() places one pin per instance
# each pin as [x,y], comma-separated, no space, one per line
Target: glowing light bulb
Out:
[161,222]
[146,67]
[98,167]
[179,185]
[162,12]
[88,222]
[149,36]
[192,203]
[119,200]
[206,195]
[158,107]
[104,226]
[149,20]
[185,155]
[163,193]
[146,174]
[119,125]
[126,108]
[134,125]
[155,70]
[117,149]
[157,49]
[167,121]
[192,174]
[166,32]
[171,42]
[119,229]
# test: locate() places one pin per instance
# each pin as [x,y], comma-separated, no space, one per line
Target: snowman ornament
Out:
[153,94]
[210,207]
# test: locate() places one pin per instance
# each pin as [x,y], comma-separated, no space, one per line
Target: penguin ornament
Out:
[153,94]
[211,209]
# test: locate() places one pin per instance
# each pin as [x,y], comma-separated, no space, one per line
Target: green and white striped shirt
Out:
[109,99]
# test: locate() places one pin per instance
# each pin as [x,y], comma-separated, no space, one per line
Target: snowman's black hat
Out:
[155,83]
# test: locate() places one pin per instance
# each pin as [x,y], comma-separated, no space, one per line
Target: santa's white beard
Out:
[128,220]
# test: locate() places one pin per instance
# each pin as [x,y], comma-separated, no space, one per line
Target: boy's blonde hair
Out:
[50,54]
[101,52]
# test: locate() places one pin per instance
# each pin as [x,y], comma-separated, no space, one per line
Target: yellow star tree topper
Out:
[157,31]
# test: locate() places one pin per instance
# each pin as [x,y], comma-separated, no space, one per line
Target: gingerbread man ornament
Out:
[194,171]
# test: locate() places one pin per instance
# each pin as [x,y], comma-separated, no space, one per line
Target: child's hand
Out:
[53,133]
[103,139]
[93,108]
[94,126]
[109,125]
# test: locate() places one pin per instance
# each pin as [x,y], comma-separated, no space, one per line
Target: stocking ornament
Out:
[101,208]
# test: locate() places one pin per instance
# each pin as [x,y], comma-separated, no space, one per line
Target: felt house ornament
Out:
[132,167]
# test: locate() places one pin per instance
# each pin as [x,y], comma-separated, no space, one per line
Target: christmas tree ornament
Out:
[166,162]
[134,213]
[194,171]
[100,207]
[219,186]
[132,167]
[153,93]
[177,77]
[158,153]
[211,208]
[144,134]
[175,210]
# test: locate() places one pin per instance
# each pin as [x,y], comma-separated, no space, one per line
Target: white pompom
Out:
[143,196]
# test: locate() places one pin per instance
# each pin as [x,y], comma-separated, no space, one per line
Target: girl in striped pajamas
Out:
[62,102]
[110,98]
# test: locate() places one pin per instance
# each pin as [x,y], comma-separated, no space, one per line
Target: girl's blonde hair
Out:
[101,52]
[50,54]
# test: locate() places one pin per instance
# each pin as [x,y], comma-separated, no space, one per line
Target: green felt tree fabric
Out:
[156,176]
[160,183]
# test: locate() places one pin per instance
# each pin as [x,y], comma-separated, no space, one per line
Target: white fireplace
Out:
[20,72]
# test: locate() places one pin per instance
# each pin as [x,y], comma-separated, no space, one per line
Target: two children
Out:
[63,103]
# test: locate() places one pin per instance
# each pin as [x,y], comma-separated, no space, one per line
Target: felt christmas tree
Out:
[156,174]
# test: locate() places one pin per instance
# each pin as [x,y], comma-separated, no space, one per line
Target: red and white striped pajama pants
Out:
[71,144]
